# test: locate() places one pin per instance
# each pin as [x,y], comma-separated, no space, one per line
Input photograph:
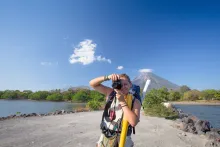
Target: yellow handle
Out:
[124,130]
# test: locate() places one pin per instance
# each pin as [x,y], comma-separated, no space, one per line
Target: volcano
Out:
[156,82]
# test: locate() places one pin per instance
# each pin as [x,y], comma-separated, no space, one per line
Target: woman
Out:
[120,106]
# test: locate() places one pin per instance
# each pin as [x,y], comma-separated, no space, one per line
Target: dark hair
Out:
[125,76]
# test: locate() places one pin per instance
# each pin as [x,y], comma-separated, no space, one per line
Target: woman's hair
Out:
[125,76]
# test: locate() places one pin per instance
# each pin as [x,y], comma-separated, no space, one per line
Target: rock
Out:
[198,125]
[182,115]
[192,129]
[212,135]
[72,111]
[202,126]
[58,112]
[51,113]
[11,116]
[28,115]
[188,120]
[193,118]
[215,130]
[2,118]
[33,114]
[23,115]
[212,143]
[206,126]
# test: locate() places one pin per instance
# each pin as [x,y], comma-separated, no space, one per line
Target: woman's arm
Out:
[96,84]
[132,116]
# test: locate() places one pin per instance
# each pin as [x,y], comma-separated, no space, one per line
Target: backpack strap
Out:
[133,128]
[108,104]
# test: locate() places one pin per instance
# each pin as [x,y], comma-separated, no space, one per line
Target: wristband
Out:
[106,78]
[124,105]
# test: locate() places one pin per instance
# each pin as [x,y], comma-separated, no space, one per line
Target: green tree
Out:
[67,95]
[208,94]
[27,92]
[9,94]
[94,105]
[39,95]
[153,104]
[191,95]
[97,96]
[174,96]
[55,97]
[21,95]
[80,96]
[1,93]
[217,95]
[156,96]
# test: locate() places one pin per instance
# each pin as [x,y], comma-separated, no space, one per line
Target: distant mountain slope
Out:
[156,81]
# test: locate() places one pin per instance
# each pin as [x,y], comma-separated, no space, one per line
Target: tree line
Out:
[85,95]
[77,95]
[187,94]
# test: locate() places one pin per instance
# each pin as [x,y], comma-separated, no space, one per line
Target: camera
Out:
[117,84]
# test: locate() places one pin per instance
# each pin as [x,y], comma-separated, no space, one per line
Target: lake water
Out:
[203,112]
[9,107]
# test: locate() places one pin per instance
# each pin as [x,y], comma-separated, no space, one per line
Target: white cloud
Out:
[99,58]
[48,63]
[146,70]
[85,53]
[120,67]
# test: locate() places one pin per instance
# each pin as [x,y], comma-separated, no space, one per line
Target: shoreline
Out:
[196,103]
[43,101]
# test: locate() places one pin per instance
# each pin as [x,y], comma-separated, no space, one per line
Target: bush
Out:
[159,110]
[217,95]
[153,104]
[54,97]
[80,96]
[192,95]
[209,94]
[174,96]
[39,95]
[97,96]
[156,96]
[8,94]
[67,95]
[1,93]
[94,105]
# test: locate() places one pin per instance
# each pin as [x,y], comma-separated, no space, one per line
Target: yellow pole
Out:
[124,130]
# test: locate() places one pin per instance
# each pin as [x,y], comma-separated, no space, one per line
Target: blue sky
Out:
[178,40]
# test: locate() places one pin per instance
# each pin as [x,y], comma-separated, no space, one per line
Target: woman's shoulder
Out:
[137,102]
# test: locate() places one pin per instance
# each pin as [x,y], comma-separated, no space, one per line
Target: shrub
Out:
[80,96]
[153,104]
[94,105]
[54,97]
[159,110]
[192,95]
